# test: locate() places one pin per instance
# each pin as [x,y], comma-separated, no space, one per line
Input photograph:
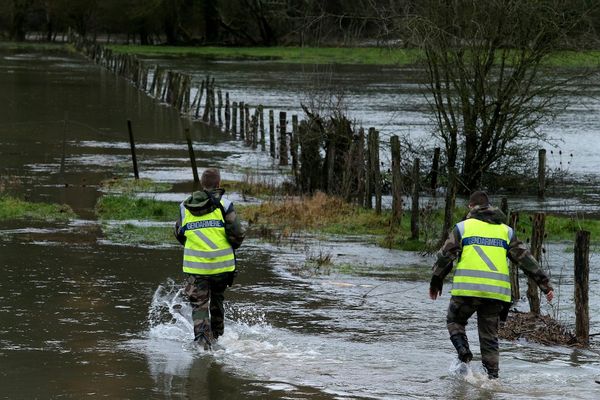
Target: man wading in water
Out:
[481,284]
[210,230]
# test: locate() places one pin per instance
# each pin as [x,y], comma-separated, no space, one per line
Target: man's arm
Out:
[520,255]
[449,252]
[233,228]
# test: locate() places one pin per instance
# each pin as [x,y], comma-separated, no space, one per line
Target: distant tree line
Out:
[221,22]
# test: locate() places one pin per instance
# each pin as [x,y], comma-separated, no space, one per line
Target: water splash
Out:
[169,314]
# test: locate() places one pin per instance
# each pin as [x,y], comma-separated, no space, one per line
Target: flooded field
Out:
[83,316]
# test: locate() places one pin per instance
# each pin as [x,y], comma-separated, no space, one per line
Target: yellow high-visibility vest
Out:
[207,250]
[482,270]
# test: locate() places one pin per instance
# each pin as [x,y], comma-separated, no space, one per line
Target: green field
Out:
[331,55]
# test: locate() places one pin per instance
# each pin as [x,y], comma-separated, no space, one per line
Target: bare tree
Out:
[487,84]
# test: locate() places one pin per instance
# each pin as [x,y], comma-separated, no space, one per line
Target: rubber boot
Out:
[492,372]
[461,344]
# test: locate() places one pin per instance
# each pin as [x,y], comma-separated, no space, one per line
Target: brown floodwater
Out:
[84,316]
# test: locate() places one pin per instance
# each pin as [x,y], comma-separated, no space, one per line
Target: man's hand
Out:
[550,295]
[435,287]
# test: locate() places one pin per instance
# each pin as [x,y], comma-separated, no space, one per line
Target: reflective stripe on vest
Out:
[207,250]
[482,270]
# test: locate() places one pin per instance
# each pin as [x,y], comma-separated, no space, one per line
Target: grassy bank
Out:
[277,220]
[328,215]
[14,208]
[330,55]
[300,55]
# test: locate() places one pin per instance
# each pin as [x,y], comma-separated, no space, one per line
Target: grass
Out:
[560,227]
[139,235]
[14,208]
[330,215]
[125,207]
[274,220]
[330,55]
[296,55]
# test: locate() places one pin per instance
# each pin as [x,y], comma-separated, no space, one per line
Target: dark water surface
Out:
[81,316]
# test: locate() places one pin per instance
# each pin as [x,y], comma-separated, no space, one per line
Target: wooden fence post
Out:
[261,127]
[133,156]
[272,134]
[227,112]
[242,109]
[537,238]
[396,181]
[294,145]
[374,168]
[283,151]
[435,166]
[541,173]
[255,129]
[213,108]
[247,125]
[369,184]
[188,138]
[360,165]
[414,212]
[220,107]
[504,205]
[582,280]
[234,107]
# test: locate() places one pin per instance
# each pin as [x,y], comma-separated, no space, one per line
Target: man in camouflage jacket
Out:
[462,306]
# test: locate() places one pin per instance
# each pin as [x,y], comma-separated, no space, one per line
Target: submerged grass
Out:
[14,208]
[139,235]
[128,207]
[125,207]
[131,185]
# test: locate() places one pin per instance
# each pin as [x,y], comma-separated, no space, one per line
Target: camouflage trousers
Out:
[488,311]
[206,295]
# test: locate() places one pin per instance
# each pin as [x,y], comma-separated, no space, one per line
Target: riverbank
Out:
[296,55]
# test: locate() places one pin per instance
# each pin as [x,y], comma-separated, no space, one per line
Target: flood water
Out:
[81,316]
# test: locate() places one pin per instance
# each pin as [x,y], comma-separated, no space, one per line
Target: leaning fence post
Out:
[537,237]
[188,138]
[132,144]
[414,212]
[396,181]
[582,279]
[541,173]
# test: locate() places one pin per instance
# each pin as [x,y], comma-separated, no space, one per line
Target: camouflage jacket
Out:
[200,203]
[517,251]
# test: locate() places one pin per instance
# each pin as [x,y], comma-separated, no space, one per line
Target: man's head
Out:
[479,198]
[211,179]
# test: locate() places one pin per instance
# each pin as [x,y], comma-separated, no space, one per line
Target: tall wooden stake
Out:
[132,144]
